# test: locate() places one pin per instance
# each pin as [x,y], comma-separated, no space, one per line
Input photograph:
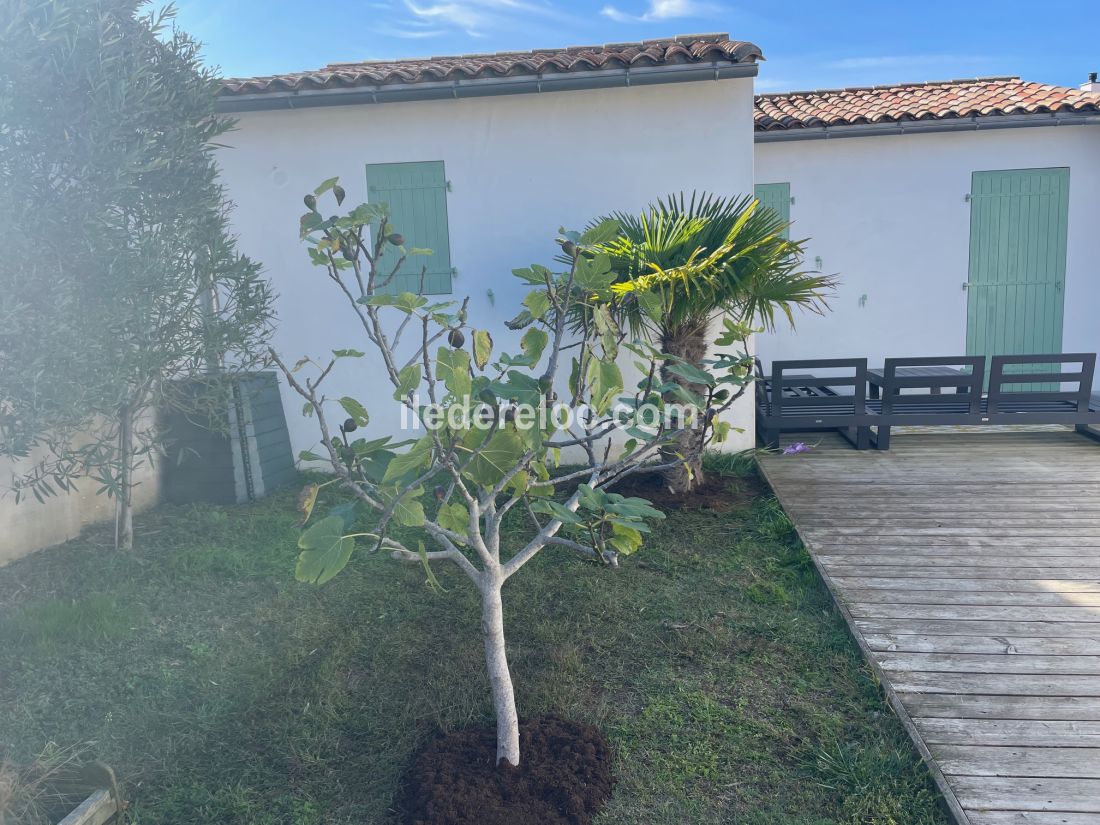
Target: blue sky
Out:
[807,44]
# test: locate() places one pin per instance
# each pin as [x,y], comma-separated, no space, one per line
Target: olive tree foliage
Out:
[119,275]
[493,424]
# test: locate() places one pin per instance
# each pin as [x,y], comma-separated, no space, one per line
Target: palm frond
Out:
[706,254]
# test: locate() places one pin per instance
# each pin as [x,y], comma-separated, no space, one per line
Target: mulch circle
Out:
[564,777]
[717,493]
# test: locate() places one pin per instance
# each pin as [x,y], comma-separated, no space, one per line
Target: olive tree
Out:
[496,424]
[119,274]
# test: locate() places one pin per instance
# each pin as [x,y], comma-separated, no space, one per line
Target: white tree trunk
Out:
[500,679]
[125,527]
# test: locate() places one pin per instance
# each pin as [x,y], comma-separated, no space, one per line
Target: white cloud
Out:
[473,17]
[463,16]
[659,10]
[411,32]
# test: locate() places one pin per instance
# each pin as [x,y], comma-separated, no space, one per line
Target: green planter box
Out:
[239,454]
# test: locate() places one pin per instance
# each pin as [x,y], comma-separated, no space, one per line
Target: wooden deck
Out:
[968,567]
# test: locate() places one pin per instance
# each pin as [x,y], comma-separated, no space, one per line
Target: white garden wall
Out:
[888,214]
[520,166]
[31,525]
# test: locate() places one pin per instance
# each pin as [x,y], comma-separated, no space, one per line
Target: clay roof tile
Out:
[696,48]
[985,97]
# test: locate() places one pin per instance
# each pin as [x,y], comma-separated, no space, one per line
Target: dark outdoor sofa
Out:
[1022,389]
[795,398]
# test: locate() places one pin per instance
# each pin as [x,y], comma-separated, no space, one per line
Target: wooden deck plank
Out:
[908,540]
[954,524]
[856,531]
[940,627]
[1037,708]
[1001,598]
[968,567]
[990,663]
[1011,760]
[1074,613]
[985,793]
[1022,506]
[914,558]
[1021,645]
[948,583]
[1051,548]
[1020,732]
[1032,818]
[995,684]
[1077,614]
[965,571]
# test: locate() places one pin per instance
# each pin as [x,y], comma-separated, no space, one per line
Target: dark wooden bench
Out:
[764,383]
[1023,389]
[911,392]
[876,377]
[793,400]
[1028,396]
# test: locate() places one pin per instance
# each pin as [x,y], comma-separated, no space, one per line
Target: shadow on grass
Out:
[223,691]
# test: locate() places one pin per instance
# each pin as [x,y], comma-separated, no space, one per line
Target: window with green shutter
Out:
[776,196]
[416,194]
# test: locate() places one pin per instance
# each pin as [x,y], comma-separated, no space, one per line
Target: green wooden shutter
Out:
[1018,229]
[416,194]
[776,196]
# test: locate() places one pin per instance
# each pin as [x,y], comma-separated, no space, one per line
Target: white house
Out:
[501,150]
[961,217]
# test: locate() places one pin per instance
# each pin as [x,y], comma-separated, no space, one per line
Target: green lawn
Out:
[222,691]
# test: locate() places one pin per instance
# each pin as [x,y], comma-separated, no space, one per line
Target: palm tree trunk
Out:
[689,342]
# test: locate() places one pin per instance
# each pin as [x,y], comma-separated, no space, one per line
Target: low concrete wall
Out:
[31,525]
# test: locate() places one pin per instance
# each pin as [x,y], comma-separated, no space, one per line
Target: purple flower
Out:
[797,447]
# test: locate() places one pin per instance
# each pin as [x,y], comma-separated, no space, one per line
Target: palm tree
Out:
[703,258]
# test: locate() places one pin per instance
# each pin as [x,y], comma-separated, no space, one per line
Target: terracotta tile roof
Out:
[686,49]
[982,97]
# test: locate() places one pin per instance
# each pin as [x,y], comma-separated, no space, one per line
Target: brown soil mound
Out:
[717,493]
[563,779]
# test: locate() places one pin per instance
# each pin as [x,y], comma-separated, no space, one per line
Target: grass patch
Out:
[880,784]
[223,691]
[83,620]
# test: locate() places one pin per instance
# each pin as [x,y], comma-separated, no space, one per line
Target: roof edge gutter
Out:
[974,123]
[486,87]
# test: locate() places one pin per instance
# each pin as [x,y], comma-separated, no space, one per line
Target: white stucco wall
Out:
[520,166]
[889,216]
